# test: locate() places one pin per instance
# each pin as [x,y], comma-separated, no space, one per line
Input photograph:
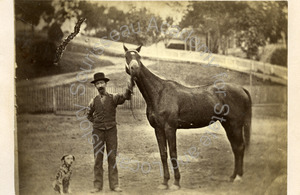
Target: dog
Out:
[63,176]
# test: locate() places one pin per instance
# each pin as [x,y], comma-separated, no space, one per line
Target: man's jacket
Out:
[102,109]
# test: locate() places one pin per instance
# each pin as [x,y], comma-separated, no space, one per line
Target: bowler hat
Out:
[99,76]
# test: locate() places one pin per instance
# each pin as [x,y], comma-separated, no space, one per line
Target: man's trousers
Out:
[110,139]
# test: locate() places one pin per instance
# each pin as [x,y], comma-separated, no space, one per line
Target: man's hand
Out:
[130,84]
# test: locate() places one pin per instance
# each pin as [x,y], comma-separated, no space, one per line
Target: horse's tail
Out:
[247,120]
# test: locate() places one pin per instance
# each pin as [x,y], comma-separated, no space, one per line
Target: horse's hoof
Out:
[162,187]
[237,179]
[174,187]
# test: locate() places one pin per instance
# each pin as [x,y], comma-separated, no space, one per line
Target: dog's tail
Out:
[55,187]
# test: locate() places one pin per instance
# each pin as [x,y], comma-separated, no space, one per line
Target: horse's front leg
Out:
[171,137]
[162,144]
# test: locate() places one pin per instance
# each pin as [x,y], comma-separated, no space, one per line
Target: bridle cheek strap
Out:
[128,51]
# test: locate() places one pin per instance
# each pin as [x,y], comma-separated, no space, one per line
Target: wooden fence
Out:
[60,100]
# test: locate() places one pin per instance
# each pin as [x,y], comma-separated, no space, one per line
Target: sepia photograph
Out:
[151,97]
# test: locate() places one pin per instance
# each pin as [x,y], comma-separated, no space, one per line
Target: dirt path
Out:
[43,139]
[61,79]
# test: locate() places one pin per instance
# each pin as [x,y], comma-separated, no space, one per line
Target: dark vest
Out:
[105,112]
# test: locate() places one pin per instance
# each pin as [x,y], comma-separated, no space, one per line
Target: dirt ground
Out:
[43,139]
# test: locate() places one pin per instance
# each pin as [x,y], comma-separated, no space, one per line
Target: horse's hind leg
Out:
[235,136]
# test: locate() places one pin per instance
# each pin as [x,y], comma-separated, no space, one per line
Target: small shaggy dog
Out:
[63,176]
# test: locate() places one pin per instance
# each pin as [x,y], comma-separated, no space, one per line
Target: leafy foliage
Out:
[131,27]
[30,12]
[145,24]
[215,18]
[252,23]
[279,57]
[55,33]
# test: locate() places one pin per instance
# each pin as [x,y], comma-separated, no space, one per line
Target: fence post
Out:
[54,100]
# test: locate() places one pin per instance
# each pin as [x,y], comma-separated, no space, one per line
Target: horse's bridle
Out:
[127,66]
[129,51]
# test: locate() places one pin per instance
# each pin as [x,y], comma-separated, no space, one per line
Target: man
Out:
[102,113]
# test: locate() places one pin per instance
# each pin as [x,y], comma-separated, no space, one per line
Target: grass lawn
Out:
[70,62]
[192,75]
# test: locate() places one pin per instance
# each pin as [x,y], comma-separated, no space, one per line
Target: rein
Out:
[132,80]
[131,108]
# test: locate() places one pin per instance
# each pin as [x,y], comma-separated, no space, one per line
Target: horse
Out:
[172,106]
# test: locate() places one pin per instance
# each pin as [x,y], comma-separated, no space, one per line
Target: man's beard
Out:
[101,90]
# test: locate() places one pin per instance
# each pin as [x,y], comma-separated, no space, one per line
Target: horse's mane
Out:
[179,84]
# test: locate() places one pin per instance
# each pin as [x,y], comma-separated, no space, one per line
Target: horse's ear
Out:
[139,48]
[125,48]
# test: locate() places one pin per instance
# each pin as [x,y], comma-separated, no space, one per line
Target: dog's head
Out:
[68,159]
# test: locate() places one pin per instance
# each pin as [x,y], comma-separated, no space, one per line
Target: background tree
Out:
[144,21]
[252,23]
[36,53]
[115,19]
[213,18]
[101,19]
[250,30]
[94,14]
[107,19]
[65,10]
[260,23]
[274,18]
[31,12]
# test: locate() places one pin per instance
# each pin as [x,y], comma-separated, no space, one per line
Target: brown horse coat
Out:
[172,106]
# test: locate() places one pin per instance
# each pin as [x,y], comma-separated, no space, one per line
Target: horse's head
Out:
[133,61]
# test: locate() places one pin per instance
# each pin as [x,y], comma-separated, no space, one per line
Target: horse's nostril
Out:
[131,67]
